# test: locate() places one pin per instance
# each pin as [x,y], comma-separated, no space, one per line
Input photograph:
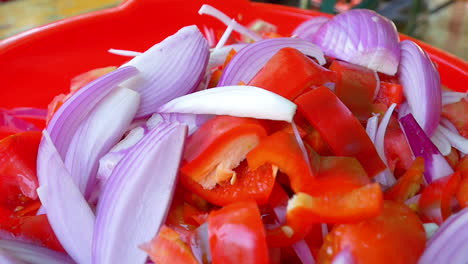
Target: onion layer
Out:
[362,37]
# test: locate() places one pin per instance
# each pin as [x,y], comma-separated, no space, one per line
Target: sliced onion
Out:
[301,248]
[28,112]
[242,101]
[68,118]
[200,244]
[14,123]
[137,196]
[192,121]
[7,258]
[23,252]
[371,127]
[450,97]
[449,243]
[68,212]
[430,229]
[421,85]
[169,69]
[218,56]
[102,129]
[302,147]
[344,257]
[435,164]
[456,140]
[385,177]
[211,11]
[448,124]
[441,142]
[210,36]
[227,33]
[127,53]
[361,37]
[303,252]
[249,60]
[308,28]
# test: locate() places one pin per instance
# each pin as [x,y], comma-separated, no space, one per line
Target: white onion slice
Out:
[241,101]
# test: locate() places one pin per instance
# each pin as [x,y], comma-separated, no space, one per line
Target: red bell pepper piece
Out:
[289,73]
[282,150]
[408,184]
[249,184]
[237,235]
[435,204]
[168,247]
[339,128]
[18,180]
[218,146]
[456,113]
[390,93]
[304,210]
[356,87]
[396,235]
[357,205]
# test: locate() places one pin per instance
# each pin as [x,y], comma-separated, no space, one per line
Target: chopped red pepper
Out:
[304,210]
[408,184]
[354,206]
[289,73]
[168,248]
[249,184]
[435,204]
[218,146]
[281,149]
[339,128]
[356,87]
[237,235]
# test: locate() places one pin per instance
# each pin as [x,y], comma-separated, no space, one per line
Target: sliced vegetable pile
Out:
[336,145]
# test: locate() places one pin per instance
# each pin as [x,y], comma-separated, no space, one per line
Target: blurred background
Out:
[442,23]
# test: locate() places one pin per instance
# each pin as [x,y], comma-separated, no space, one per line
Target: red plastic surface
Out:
[38,64]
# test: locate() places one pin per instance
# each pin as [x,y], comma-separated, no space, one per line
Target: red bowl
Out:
[38,64]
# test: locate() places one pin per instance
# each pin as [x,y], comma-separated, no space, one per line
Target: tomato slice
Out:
[390,93]
[248,184]
[34,228]
[218,146]
[408,184]
[168,248]
[289,73]
[396,235]
[456,113]
[397,150]
[18,180]
[237,234]
[356,87]
[435,204]
[339,128]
